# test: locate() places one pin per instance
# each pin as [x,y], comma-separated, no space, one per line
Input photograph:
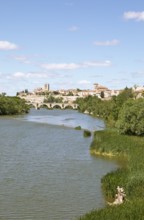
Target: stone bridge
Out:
[52,105]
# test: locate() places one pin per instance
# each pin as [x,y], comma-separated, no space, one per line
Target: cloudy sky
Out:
[71,44]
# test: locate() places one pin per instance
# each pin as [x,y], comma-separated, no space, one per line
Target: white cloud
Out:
[138,16]
[22,59]
[73,66]
[23,75]
[107,43]
[61,66]
[84,82]
[73,29]
[96,63]
[19,75]
[6,45]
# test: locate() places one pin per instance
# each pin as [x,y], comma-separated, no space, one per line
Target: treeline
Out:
[12,105]
[123,111]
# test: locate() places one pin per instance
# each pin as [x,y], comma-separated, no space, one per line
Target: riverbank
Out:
[130,150]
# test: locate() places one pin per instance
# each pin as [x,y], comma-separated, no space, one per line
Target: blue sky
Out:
[71,44]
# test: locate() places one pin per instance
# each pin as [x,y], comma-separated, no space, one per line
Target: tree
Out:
[78,90]
[3,94]
[102,94]
[124,96]
[119,100]
[13,105]
[131,118]
[26,91]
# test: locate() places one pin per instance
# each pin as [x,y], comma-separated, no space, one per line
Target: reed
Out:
[130,149]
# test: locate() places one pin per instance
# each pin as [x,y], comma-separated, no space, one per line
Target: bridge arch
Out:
[68,106]
[56,105]
[53,105]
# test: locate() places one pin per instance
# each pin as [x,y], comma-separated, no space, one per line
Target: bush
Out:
[78,128]
[87,133]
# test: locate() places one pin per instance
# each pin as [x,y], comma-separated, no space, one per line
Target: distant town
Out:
[70,95]
[100,91]
[44,97]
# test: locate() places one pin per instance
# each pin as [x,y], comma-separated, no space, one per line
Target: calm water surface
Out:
[46,171]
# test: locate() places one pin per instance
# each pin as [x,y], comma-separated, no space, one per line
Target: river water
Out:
[46,170]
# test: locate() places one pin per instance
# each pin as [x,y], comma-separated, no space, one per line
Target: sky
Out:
[71,44]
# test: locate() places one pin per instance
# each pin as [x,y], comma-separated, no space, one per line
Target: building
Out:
[40,90]
[99,88]
[46,87]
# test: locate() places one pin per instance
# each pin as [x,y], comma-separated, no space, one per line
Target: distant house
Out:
[102,91]
[139,91]
[100,88]
[85,93]
[115,92]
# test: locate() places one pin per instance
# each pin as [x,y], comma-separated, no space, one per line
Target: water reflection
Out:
[68,118]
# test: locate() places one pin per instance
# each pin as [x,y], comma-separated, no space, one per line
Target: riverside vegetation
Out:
[123,139]
[12,105]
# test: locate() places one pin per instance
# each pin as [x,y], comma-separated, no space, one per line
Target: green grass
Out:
[133,210]
[130,149]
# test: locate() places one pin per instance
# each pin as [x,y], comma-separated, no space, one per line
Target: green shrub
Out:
[87,133]
[78,128]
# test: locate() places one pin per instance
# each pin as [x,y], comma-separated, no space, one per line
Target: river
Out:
[46,170]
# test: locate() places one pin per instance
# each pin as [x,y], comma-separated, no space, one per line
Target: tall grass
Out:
[132,210]
[130,149]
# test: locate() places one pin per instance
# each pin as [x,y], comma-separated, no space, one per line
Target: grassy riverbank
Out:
[130,150]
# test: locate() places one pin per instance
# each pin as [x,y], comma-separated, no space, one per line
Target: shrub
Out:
[87,133]
[78,128]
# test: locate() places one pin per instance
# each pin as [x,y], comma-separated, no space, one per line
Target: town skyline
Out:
[70,44]
[98,90]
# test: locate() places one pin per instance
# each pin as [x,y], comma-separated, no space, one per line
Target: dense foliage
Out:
[122,111]
[12,105]
[87,133]
[131,117]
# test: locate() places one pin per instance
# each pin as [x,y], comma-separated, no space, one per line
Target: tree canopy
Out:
[122,111]
[13,105]
[131,117]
